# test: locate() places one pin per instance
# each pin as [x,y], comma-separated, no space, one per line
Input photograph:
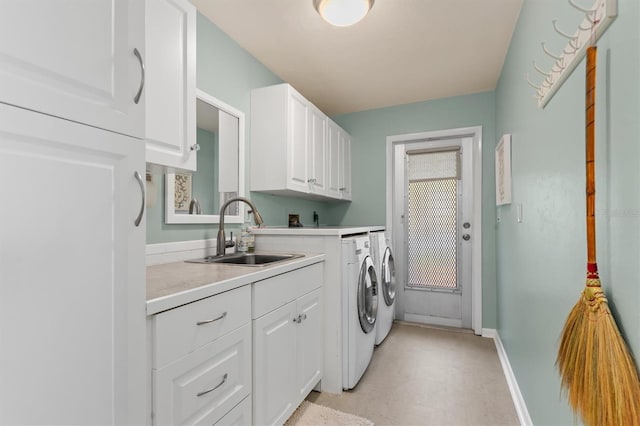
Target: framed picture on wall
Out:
[183,192]
[503,171]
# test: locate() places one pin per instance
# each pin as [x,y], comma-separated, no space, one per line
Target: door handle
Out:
[136,52]
[141,183]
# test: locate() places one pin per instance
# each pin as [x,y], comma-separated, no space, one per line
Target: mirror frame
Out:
[171,217]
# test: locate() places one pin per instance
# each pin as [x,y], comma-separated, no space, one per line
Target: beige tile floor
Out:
[429,376]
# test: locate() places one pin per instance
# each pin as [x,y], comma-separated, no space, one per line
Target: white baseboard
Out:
[489,333]
[516,395]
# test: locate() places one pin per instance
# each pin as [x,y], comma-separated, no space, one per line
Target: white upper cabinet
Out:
[345,166]
[171,84]
[317,152]
[76,60]
[298,147]
[334,163]
[291,146]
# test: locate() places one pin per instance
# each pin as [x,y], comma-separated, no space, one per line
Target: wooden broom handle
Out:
[590,118]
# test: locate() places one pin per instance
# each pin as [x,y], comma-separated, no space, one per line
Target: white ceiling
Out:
[404,51]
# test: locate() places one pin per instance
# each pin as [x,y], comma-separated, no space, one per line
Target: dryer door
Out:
[367,295]
[388,278]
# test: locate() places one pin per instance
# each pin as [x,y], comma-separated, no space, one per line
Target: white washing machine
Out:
[359,308]
[385,269]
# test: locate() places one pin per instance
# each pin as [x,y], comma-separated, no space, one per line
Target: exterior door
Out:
[437,208]
[76,60]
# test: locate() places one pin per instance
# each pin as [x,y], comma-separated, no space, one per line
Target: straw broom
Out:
[596,367]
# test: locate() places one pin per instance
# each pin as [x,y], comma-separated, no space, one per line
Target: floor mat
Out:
[310,414]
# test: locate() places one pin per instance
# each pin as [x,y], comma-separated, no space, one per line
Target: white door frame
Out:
[475,133]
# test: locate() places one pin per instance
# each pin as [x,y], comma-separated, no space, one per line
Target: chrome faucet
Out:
[194,206]
[221,243]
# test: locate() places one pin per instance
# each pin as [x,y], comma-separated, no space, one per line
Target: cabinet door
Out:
[316,155]
[171,83]
[309,341]
[75,59]
[345,161]
[334,166]
[274,360]
[298,143]
[72,289]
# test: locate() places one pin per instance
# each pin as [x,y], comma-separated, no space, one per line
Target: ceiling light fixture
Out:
[343,13]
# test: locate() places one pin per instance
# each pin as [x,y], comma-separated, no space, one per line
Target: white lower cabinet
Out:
[287,343]
[239,416]
[201,388]
[71,272]
[212,365]
[201,360]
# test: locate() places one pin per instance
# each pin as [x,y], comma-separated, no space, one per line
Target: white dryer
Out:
[385,269]
[359,308]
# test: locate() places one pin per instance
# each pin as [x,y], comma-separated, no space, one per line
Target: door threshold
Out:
[435,327]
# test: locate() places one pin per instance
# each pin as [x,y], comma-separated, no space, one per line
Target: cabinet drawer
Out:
[177,332]
[239,416]
[205,385]
[274,292]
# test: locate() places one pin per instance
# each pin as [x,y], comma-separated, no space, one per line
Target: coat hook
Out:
[560,67]
[563,34]
[546,74]
[582,9]
[588,28]
[533,85]
[544,48]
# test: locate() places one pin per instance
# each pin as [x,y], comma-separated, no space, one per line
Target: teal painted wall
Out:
[369,130]
[228,72]
[541,261]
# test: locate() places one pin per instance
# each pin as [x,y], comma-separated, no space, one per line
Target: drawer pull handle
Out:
[224,379]
[209,321]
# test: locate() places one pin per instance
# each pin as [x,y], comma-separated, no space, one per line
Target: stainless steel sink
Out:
[247,259]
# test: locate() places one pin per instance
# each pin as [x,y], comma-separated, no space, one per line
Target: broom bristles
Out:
[597,370]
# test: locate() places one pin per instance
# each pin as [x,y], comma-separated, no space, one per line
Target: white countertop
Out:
[312,230]
[173,284]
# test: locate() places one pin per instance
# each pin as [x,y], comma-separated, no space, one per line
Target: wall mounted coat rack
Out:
[597,20]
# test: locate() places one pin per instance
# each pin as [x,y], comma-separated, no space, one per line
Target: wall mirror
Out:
[196,197]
